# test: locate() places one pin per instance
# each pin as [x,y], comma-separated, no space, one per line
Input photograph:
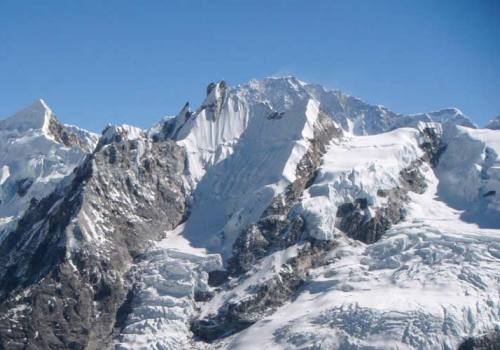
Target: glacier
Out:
[278,214]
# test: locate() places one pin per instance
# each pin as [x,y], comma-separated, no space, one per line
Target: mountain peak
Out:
[214,87]
[451,110]
[278,83]
[451,114]
[494,123]
[289,79]
[34,116]
[38,118]
[41,104]
[38,108]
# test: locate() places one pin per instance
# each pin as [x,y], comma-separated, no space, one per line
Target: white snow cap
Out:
[494,124]
[124,131]
[35,116]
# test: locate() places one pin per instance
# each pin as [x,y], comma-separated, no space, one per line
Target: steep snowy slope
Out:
[265,124]
[248,214]
[36,152]
[340,197]
[470,174]
[294,248]
[276,215]
[62,269]
[364,119]
[430,282]
[251,129]
[229,141]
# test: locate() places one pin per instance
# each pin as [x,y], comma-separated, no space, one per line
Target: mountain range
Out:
[277,214]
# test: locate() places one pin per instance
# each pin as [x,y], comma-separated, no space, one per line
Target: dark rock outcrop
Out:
[277,229]
[359,223]
[62,269]
[217,277]
[22,186]
[216,98]
[264,298]
[489,341]
[275,115]
[65,135]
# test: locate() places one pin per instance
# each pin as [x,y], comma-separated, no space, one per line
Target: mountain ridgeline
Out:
[277,214]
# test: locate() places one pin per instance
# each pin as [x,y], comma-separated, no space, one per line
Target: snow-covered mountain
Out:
[36,152]
[278,215]
[494,124]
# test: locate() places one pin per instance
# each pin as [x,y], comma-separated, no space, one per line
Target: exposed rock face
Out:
[170,128]
[264,296]
[486,342]
[216,97]
[362,118]
[357,219]
[62,268]
[71,136]
[274,215]
[36,153]
[433,143]
[23,185]
[277,229]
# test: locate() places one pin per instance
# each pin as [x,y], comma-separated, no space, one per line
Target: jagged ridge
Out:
[274,178]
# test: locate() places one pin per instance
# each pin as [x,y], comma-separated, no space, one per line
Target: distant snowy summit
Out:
[36,152]
[351,113]
[39,118]
[494,124]
[35,116]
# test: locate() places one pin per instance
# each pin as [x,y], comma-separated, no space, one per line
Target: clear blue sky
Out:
[98,62]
